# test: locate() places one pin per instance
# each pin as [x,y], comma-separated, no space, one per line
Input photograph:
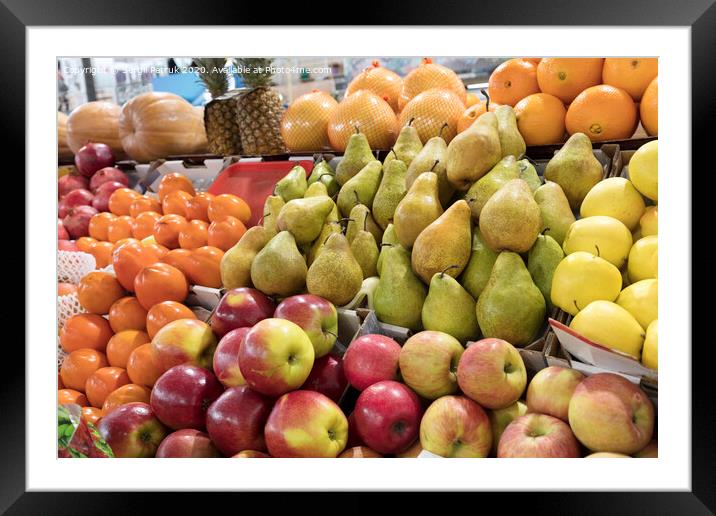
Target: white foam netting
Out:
[73,265]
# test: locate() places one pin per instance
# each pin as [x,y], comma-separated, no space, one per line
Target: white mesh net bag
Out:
[73,265]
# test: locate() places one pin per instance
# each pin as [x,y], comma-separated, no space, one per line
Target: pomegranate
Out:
[79,197]
[106,175]
[77,220]
[67,245]
[70,182]
[92,157]
[103,193]
[62,233]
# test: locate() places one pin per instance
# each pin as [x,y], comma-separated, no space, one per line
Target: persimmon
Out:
[121,345]
[102,382]
[97,292]
[228,205]
[102,252]
[85,244]
[142,368]
[68,396]
[143,204]
[128,393]
[127,314]
[80,365]
[166,230]
[121,199]
[197,207]
[159,249]
[172,182]
[85,331]
[179,258]
[120,227]
[225,233]
[163,313]
[204,267]
[144,224]
[174,203]
[194,234]
[92,415]
[160,282]
[98,225]
[129,259]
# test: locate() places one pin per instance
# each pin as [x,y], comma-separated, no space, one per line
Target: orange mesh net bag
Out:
[381,81]
[430,75]
[430,111]
[304,126]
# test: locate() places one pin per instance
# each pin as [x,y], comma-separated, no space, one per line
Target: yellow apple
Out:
[609,325]
[644,259]
[600,235]
[650,353]
[649,222]
[614,197]
[641,299]
[644,170]
[581,278]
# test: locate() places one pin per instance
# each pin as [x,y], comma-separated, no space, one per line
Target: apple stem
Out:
[576,305]
[597,247]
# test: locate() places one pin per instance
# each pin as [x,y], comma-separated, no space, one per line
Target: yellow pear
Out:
[614,197]
[600,235]
[581,278]
[644,170]
[650,353]
[641,299]
[644,259]
[609,325]
[649,222]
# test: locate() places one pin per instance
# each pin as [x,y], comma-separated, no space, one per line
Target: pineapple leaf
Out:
[214,76]
[255,71]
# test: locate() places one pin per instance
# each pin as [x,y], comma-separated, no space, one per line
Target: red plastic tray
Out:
[254,181]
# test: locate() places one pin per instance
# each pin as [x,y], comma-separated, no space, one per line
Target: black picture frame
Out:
[700,15]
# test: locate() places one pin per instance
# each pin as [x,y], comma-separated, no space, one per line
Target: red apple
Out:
[107,174]
[551,389]
[70,182]
[187,443]
[412,452]
[182,395]
[132,430]
[226,358]
[369,359]
[251,454]
[67,245]
[241,308]
[387,416]
[327,377]
[537,436]
[360,452]
[306,424]
[456,426]
[62,233]
[76,221]
[184,341]
[92,157]
[608,413]
[492,373]
[353,437]
[103,193]
[316,316]
[276,356]
[428,363]
[235,421]
[650,451]
[500,418]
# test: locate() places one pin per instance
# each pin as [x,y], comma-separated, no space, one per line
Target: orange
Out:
[204,267]
[163,313]
[160,282]
[85,244]
[540,119]
[143,204]
[97,292]
[567,77]
[172,182]
[127,393]
[121,345]
[67,396]
[64,289]
[534,60]
[120,200]
[102,382]
[167,229]
[194,234]
[175,203]
[228,205]
[602,113]
[632,74]
[512,81]
[144,224]
[126,314]
[179,258]
[129,259]
[472,113]
[225,233]
[141,366]
[91,415]
[430,110]
[197,207]
[649,108]
[119,228]
[102,252]
[85,331]
[99,224]
[80,365]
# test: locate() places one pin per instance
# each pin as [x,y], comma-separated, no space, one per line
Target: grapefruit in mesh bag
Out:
[430,75]
[381,81]
[430,111]
[369,114]
[304,125]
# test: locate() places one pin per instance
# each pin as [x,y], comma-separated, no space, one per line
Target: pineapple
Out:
[259,109]
[222,130]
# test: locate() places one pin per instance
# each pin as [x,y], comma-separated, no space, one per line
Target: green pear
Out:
[542,261]
[407,145]
[511,141]
[444,245]
[399,296]
[529,174]
[293,185]
[279,269]
[449,308]
[361,188]
[473,152]
[390,192]
[485,187]
[335,275]
[418,209]
[304,218]
[511,307]
[365,251]
[478,270]
[235,265]
[389,239]
[432,158]
[272,207]
[556,213]
[328,229]
[316,190]
[323,173]
[356,156]
[575,169]
[360,218]
[510,219]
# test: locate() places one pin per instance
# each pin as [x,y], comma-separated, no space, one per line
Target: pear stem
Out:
[487,102]
[448,268]
[440,132]
[393,151]
[357,198]
[434,165]
[365,223]
[386,244]
[544,231]
[411,122]
[356,128]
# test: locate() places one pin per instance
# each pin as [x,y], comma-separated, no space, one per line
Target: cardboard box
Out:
[201,175]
